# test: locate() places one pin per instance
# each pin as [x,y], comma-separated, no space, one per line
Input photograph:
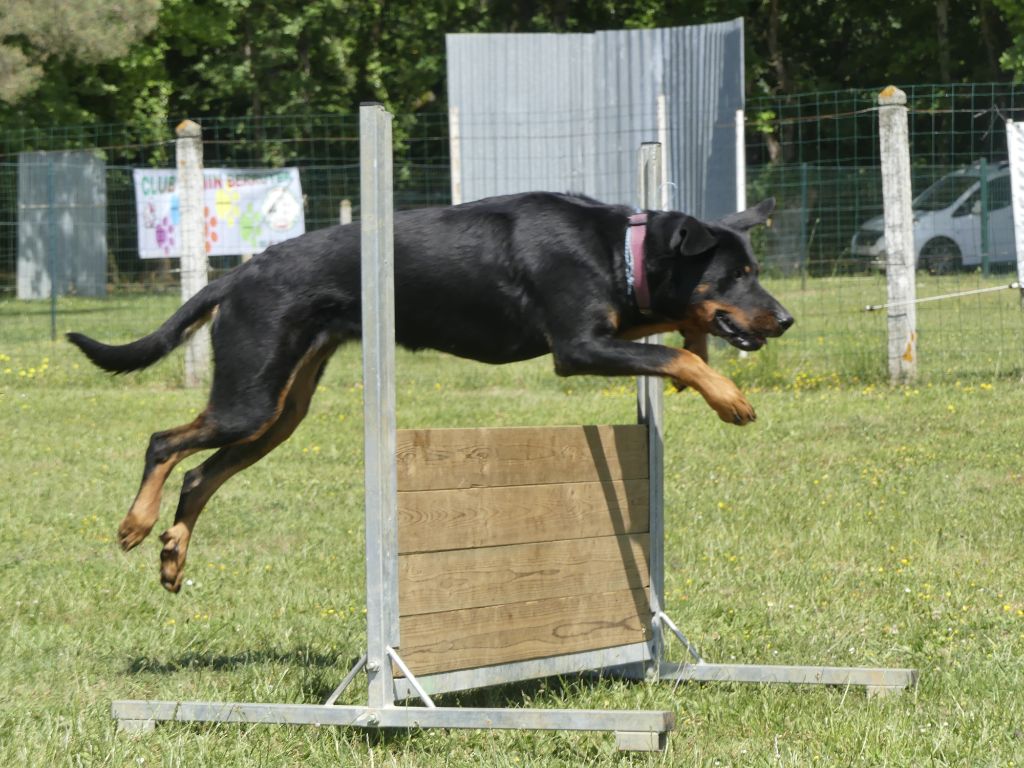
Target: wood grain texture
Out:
[471,578]
[434,459]
[489,517]
[479,637]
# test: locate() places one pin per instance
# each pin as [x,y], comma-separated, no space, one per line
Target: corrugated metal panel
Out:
[567,112]
[62,224]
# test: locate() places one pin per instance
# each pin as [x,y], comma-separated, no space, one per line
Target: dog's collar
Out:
[636,275]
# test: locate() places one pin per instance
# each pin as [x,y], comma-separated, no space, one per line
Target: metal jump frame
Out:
[635,730]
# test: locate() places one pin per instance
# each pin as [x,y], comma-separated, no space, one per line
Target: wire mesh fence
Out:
[823,253]
[818,154]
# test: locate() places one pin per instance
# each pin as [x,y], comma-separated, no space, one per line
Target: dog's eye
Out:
[738,273]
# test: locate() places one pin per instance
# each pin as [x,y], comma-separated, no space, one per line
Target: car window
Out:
[944,192]
[999,193]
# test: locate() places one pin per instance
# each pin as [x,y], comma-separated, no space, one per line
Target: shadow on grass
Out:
[551,689]
[220,662]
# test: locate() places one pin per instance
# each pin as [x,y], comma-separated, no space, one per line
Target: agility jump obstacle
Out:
[502,555]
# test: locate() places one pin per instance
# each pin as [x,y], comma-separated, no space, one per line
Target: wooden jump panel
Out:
[490,517]
[434,459]
[522,543]
[472,578]
[480,637]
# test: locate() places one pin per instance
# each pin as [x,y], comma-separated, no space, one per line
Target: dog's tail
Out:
[121,358]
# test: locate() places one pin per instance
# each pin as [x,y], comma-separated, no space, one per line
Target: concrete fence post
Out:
[194,267]
[901,256]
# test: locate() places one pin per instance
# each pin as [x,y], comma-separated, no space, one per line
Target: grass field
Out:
[853,524]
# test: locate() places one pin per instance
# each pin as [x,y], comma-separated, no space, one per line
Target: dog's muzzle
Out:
[748,340]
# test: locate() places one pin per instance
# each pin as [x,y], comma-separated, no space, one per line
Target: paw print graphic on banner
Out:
[165,236]
[249,226]
[211,229]
[281,209]
[226,205]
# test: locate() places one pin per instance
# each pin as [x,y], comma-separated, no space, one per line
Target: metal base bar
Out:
[879,679]
[616,721]
[518,671]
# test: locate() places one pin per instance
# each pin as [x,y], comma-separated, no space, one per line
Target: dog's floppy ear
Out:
[691,237]
[751,217]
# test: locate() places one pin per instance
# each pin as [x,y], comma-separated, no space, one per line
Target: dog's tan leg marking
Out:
[688,370]
[145,510]
[203,481]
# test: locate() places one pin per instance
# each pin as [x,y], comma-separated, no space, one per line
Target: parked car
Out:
[947,223]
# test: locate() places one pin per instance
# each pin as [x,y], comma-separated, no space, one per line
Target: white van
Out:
[947,223]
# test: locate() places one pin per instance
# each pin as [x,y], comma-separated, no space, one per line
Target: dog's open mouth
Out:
[724,327]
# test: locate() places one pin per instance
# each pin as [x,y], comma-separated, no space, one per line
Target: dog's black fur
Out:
[499,280]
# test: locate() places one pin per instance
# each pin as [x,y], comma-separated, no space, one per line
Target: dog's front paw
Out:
[731,406]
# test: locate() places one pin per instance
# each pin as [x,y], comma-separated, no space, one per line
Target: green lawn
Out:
[852,524]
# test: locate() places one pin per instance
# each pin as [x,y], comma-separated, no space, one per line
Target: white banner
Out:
[1015,145]
[246,210]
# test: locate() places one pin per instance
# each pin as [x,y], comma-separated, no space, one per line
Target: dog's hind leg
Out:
[203,481]
[228,419]
[165,450]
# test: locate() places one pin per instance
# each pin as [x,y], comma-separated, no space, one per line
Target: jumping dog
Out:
[498,280]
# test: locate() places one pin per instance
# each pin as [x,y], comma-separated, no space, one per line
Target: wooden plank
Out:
[433,459]
[478,637]
[472,578]
[490,517]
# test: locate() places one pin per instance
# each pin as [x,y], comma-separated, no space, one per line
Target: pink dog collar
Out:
[636,275]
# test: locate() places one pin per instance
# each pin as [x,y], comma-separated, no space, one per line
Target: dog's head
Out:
[705,276]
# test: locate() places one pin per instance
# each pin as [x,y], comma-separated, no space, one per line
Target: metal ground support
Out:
[877,681]
[634,730]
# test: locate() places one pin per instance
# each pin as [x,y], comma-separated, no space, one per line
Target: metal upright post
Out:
[1015,147]
[650,397]
[378,307]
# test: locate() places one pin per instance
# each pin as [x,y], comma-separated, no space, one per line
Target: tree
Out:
[1012,58]
[34,34]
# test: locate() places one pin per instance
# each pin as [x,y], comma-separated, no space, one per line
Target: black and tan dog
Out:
[498,280]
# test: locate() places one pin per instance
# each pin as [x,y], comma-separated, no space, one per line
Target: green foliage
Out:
[37,39]
[1012,58]
[100,62]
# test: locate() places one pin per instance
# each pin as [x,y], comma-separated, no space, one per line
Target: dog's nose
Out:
[784,319]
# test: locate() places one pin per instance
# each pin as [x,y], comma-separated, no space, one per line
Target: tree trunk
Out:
[942,38]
